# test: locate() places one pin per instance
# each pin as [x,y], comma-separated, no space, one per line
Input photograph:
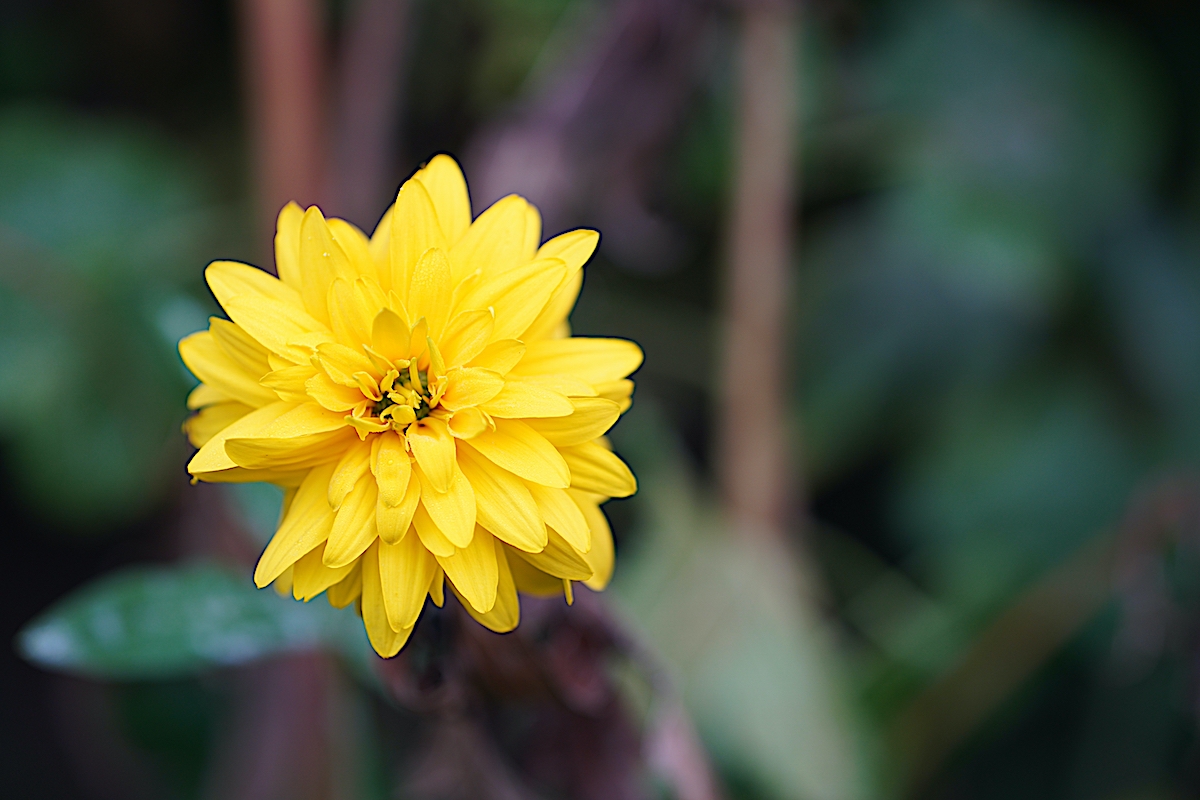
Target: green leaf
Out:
[168,622]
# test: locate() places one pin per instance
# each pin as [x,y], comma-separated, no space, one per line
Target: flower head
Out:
[419,396]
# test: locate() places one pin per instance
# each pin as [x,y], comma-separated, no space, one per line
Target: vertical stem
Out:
[754,440]
[369,94]
[283,54]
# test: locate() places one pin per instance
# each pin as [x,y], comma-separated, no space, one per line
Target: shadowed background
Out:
[917,437]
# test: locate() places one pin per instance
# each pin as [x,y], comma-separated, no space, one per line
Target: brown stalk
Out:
[755,470]
[283,53]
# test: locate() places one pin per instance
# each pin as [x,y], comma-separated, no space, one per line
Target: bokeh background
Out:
[978,574]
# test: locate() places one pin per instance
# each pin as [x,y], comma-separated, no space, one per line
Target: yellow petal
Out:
[592,417]
[517,296]
[437,587]
[591,360]
[392,467]
[500,356]
[349,470]
[310,576]
[554,314]
[354,525]
[429,290]
[321,261]
[386,641]
[415,229]
[348,589]
[430,534]
[212,456]
[229,279]
[280,327]
[563,515]
[240,346]
[341,362]
[205,395]
[447,188]
[531,580]
[393,522]
[352,309]
[354,244]
[306,524]
[620,392]
[506,613]
[473,571]
[559,559]
[470,386]
[522,451]
[303,420]
[289,383]
[332,396]
[433,447]
[573,247]
[287,245]
[390,335]
[566,385]
[521,399]
[294,453]
[466,336]
[467,423]
[532,231]
[211,420]
[380,247]
[495,241]
[405,570]
[206,359]
[600,557]
[503,504]
[452,511]
[595,469]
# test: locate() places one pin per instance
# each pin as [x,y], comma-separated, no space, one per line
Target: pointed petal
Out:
[429,290]
[229,279]
[352,466]
[452,511]
[595,469]
[466,336]
[430,534]
[521,399]
[347,590]
[470,386]
[517,296]
[354,526]
[433,446]
[600,557]
[561,514]
[503,504]
[287,245]
[204,356]
[559,559]
[386,641]
[500,356]
[474,572]
[393,522]
[405,570]
[592,417]
[506,613]
[415,229]
[524,452]
[310,576]
[306,524]
[495,241]
[392,468]
[447,188]
[212,456]
[591,360]
[321,261]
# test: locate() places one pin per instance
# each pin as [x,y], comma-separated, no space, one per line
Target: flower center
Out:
[403,392]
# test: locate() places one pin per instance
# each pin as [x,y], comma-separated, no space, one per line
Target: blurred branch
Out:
[369,102]
[591,139]
[1126,562]
[283,51]
[753,430]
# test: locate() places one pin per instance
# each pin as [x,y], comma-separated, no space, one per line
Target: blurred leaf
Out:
[1015,479]
[163,622]
[102,234]
[750,655]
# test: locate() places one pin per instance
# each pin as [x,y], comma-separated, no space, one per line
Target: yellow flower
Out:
[420,397]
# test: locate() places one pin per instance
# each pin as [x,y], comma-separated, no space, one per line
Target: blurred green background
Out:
[994,361]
